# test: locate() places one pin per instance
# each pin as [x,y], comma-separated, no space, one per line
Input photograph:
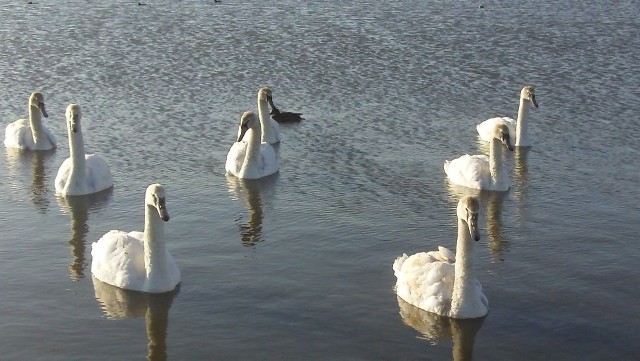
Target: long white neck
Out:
[155,252]
[464,297]
[78,174]
[250,165]
[35,120]
[496,165]
[522,138]
[265,120]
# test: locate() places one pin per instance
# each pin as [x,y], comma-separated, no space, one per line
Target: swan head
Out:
[501,132]
[264,94]
[37,100]
[467,211]
[155,198]
[249,120]
[527,93]
[73,117]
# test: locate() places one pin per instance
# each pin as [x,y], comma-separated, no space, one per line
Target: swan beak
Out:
[473,227]
[243,130]
[533,100]
[162,211]
[42,109]
[506,139]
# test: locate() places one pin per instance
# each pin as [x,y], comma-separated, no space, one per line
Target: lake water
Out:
[298,266]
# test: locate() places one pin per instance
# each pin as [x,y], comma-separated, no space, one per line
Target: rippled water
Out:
[298,266]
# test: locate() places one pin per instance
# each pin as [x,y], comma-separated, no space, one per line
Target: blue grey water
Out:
[298,266]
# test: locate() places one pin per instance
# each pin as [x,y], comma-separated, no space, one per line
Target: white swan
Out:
[436,282]
[270,128]
[253,159]
[138,261]
[480,171]
[81,173]
[517,128]
[30,134]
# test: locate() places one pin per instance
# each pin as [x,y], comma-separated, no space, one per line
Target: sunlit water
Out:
[298,266]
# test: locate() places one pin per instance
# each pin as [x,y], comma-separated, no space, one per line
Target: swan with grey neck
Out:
[138,261]
[480,171]
[81,173]
[517,128]
[253,159]
[31,134]
[441,282]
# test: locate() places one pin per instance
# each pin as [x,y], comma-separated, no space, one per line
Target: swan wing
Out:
[98,173]
[485,129]
[118,259]
[424,281]
[268,160]
[64,172]
[470,171]
[18,135]
[235,158]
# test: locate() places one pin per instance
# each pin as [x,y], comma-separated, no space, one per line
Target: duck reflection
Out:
[438,329]
[492,202]
[252,192]
[117,303]
[18,159]
[79,207]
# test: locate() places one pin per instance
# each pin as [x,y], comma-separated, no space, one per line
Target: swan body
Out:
[81,173]
[480,171]
[435,282]
[517,128]
[251,159]
[138,261]
[31,134]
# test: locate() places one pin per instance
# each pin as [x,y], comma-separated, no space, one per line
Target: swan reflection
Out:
[521,172]
[79,207]
[18,159]
[252,192]
[117,303]
[437,329]
[492,202]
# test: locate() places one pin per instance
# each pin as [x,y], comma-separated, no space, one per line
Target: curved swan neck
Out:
[495,162]
[250,162]
[521,123]
[35,121]
[265,121]
[154,245]
[464,281]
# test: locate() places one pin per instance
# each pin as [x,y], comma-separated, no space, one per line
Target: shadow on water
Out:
[253,192]
[117,303]
[79,207]
[492,203]
[18,160]
[521,172]
[437,329]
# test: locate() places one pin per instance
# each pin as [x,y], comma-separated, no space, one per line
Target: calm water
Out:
[298,266]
